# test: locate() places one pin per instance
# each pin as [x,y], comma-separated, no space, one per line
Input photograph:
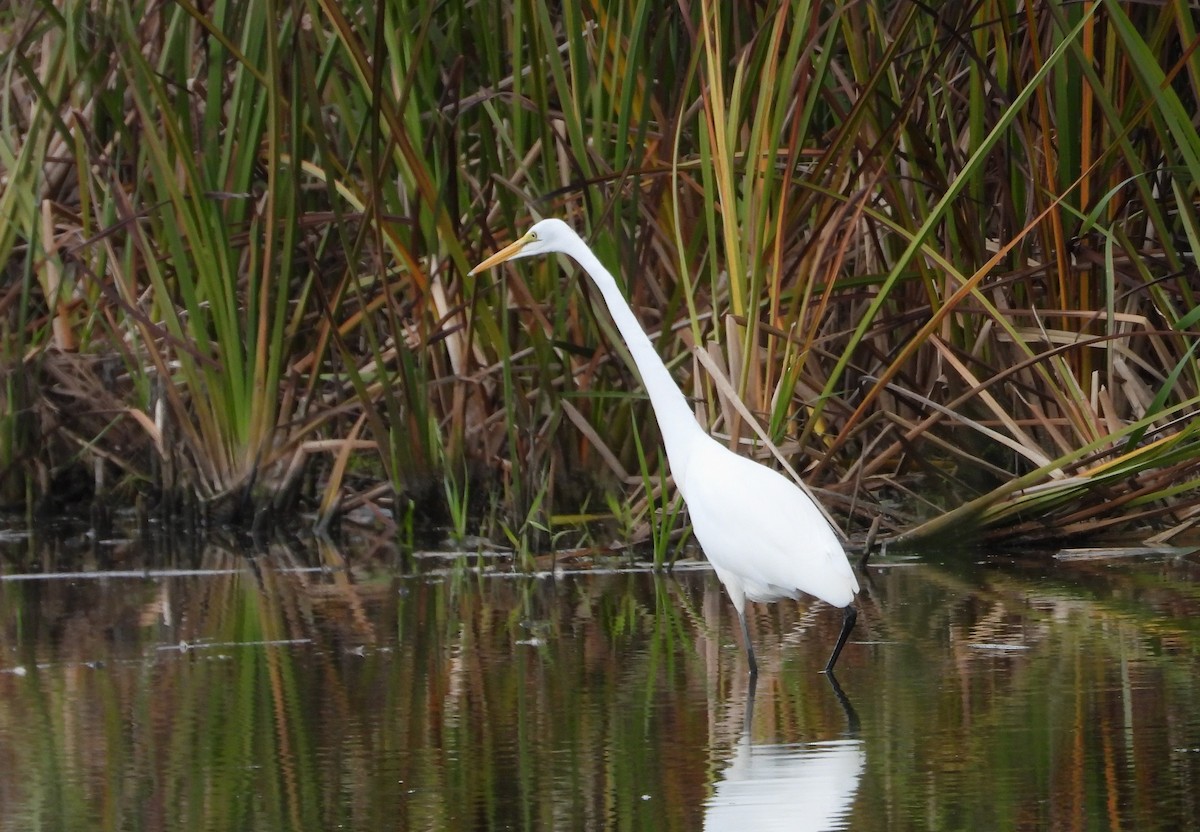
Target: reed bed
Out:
[940,259]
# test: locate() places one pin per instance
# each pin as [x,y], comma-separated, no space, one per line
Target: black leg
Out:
[850,616]
[749,645]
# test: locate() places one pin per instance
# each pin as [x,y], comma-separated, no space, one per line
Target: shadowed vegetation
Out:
[944,255]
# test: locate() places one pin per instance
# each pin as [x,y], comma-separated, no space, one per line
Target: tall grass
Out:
[944,257]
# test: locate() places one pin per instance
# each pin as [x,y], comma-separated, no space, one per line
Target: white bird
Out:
[764,537]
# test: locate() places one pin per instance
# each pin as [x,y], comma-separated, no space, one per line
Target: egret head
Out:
[545,237]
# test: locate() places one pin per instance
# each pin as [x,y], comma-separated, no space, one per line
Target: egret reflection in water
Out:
[794,786]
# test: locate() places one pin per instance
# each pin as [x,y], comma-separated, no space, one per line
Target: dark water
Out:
[313,689]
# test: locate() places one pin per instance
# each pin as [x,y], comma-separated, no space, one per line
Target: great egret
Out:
[764,537]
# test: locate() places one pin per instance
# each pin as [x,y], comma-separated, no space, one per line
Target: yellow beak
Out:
[506,253]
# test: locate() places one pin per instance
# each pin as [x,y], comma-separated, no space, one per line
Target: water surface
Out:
[303,687]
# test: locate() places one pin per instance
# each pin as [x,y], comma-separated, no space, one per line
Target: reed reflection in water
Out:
[312,688]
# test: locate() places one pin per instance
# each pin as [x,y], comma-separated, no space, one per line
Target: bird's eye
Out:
[533,235]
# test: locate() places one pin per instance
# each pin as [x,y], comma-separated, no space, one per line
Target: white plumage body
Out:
[764,537]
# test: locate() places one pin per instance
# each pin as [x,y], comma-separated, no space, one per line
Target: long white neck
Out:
[676,422]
